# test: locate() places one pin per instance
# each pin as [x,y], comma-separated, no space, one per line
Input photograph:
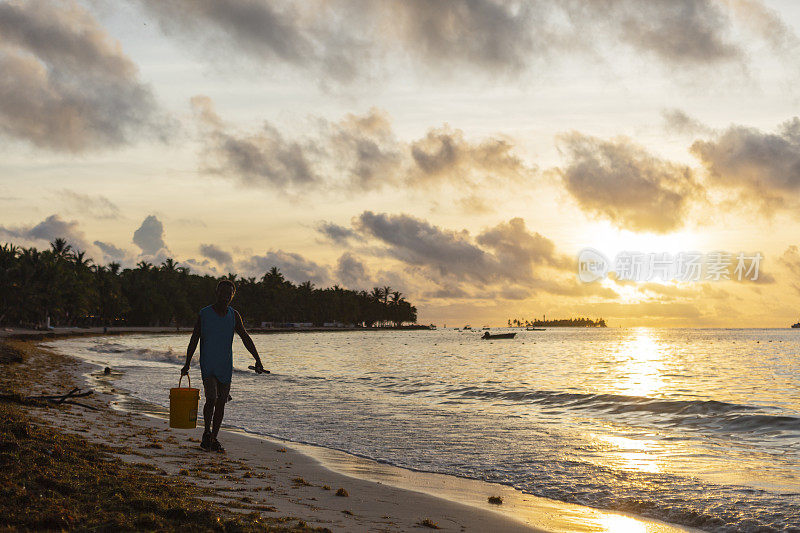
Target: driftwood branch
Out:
[58,399]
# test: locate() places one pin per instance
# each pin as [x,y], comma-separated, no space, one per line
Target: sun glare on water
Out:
[622,524]
[639,373]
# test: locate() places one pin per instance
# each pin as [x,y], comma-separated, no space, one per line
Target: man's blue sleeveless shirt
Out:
[216,344]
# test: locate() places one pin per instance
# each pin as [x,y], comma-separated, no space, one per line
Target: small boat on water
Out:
[796,326]
[534,329]
[488,335]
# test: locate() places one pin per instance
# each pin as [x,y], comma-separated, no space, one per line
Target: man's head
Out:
[225,291]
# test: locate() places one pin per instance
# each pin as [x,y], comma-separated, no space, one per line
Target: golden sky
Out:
[463,153]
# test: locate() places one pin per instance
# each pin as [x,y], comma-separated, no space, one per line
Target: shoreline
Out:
[63,332]
[381,497]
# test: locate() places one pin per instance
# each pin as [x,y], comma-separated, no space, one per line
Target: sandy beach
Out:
[318,487]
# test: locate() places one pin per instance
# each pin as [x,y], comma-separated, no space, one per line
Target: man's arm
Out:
[247,341]
[192,346]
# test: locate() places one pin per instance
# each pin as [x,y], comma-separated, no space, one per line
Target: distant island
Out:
[557,323]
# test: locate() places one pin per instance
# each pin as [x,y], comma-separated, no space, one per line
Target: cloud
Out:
[366,150]
[46,231]
[444,155]
[677,121]
[97,206]
[111,253]
[507,257]
[685,32]
[342,40]
[308,36]
[620,181]
[763,167]
[262,159]
[791,260]
[358,153]
[149,237]
[294,267]
[335,233]
[765,23]
[351,272]
[494,36]
[417,242]
[216,253]
[516,247]
[474,204]
[66,84]
[40,235]
[202,267]
[345,41]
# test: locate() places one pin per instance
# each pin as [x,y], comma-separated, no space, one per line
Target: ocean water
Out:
[699,427]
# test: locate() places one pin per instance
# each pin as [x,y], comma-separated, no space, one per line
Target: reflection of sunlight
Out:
[622,524]
[631,454]
[640,375]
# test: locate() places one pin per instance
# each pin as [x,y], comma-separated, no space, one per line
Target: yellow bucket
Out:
[183,406]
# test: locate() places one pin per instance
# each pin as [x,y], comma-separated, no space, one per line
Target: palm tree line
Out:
[558,323]
[63,285]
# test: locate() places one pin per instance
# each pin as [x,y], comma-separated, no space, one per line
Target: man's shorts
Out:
[214,389]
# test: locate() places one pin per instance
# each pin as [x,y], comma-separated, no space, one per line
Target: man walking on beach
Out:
[214,329]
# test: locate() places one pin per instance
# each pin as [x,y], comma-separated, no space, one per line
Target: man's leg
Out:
[219,407]
[210,390]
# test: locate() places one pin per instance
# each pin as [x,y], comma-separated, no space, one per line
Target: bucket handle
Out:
[181,379]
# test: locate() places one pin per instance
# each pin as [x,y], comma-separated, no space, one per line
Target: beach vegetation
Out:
[50,480]
[63,287]
[580,322]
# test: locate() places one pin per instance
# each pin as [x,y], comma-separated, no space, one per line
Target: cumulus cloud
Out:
[202,267]
[763,167]
[507,257]
[97,206]
[620,181]
[335,233]
[215,253]
[360,152]
[419,243]
[149,237]
[263,158]
[46,231]
[366,149]
[293,266]
[54,227]
[66,84]
[111,253]
[351,272]
[444,155]
[516,247]
[344,40]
